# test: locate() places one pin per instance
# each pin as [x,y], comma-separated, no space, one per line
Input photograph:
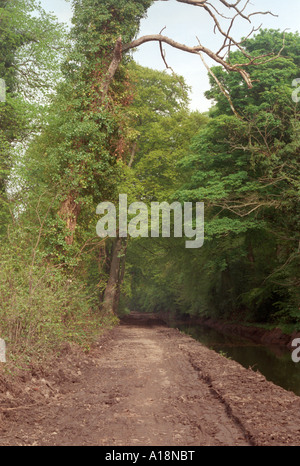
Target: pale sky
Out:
[185,23]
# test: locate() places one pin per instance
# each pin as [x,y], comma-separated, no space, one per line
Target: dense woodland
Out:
[83,122]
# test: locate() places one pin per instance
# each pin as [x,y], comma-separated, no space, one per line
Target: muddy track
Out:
[145,384]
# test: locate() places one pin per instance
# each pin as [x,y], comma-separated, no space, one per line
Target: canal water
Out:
[274,362]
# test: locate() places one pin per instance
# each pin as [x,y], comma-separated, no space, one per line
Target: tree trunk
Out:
[69,212]
[114,65]
[69,209]
[251,254]
[121,276]
[116,276]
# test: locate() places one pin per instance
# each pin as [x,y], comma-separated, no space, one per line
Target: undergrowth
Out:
[42,308]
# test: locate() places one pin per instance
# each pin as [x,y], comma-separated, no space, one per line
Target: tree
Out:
[165,127]
[162,126]
[103,53]
[228,43]
[87,138]
[229,16]
[31,43]
[245,170]
[92,140]
[268,137]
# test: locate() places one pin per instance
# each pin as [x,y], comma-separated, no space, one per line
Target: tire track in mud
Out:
[206,378]
[264,412]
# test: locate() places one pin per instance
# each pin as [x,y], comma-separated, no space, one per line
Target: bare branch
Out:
[237,10]
[223,90]
[193,50]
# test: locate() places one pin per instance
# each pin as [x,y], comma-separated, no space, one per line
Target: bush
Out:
[42,307]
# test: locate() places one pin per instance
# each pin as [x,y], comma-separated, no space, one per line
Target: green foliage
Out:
[270,96]
[69,142]
[98,24]
[31,49]
[74,147]
[42,308]
[246,172]
[84,144]
[164,127]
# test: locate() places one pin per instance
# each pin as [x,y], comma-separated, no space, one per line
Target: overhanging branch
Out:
[233,11]
[194,50]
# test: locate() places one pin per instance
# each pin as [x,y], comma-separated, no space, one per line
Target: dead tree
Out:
[223,22]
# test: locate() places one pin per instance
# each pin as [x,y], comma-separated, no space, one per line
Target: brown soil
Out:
[146,384]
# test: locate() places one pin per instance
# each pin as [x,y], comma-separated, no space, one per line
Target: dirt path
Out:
[146,384]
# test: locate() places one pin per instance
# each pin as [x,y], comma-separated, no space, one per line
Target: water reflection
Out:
[274,362]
